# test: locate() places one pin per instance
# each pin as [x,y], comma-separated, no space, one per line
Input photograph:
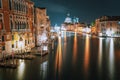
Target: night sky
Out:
[86,10]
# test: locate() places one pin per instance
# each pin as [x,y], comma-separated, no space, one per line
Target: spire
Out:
[75,20]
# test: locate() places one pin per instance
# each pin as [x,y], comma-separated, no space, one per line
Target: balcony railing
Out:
[20,30]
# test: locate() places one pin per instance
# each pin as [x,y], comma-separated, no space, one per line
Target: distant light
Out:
[119,22]
[45,48]
[109,33]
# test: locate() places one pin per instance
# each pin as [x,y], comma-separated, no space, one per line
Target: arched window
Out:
[17,6]
[11,23]
[0,3]
[21,27]
[24,26]
[18,25]
[26,8]
[14,5]
[15,26]
[1,22]
[10,4]
[27,26]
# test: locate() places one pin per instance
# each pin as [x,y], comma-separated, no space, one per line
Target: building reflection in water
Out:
[86,56]
[75,49]
[65,44]
[43,68]
[65,36]
[21,69]
[58,58]
[100,54]
[111,59]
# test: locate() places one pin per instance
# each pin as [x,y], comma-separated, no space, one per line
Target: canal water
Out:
[75,57]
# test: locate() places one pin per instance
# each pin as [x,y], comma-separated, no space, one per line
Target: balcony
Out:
[24,30]
[2,31]
[14,30]
[21,30]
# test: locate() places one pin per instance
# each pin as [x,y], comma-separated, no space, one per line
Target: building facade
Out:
[42,25]
[70,24]
[108,26]
[16,25]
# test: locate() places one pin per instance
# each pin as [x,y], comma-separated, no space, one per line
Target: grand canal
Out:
[75,57]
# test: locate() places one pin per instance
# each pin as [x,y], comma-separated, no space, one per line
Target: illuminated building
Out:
[70,24]
[16,21]
[68,19]
[108,26]
[81,27]
[42,24]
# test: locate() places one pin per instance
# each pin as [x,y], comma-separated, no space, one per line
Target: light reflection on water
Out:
[58,58]
[21,69]
[100,54]
[86,54]
[43,68]
[65,44]
[111,59]
[75,49]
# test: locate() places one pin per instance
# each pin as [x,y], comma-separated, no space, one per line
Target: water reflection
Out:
[104,61]
[65,36]
[87,53]
[58,58]
[100,53]
[21,70]
[43,67]
[111,59]
[65,44]
[75,49]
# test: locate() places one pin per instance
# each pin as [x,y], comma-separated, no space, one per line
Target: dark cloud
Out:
[86,10]
[52,6]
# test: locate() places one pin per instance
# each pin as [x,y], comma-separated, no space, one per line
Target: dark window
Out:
[11,24]
[1,21]
[3,47]
[10,4]
[1,24]
[0,3]
[28,41]
[12,45]
[25,42]
[16,44]
[12,37]
[15,5]
[2,38]
[18,26]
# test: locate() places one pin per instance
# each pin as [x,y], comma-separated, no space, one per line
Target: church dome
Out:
[68,19]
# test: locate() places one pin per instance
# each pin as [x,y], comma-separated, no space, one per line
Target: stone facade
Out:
[16,21]
[70,24]
[108,25]
[42,24]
